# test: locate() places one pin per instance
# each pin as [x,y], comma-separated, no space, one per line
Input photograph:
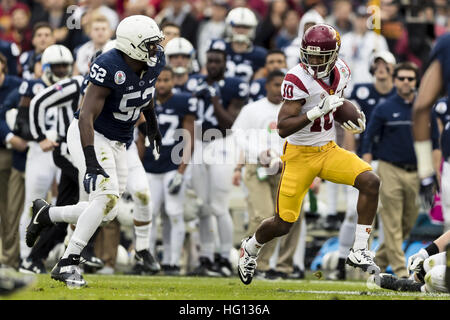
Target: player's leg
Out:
[155,182]
[219,198]
[174,208]
[137,185]
[435,268]
[39,174]
[301,165]
[342,166]
[102,205]
[346,233]
[206,234]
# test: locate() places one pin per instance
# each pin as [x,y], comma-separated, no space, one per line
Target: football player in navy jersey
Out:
[243,58]
[180,55]
[121,87]
[11,51]
[176,113]
[366,96]
[275,60]
[220,100]
[435,81]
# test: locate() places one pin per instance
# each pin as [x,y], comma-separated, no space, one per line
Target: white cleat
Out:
[246,264]
[362,259]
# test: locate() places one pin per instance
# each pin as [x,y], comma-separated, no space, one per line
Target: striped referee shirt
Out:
[65,95]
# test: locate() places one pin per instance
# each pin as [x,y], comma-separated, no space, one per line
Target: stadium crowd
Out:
[199,232]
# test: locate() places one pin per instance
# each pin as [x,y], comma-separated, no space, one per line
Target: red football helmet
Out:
[319,49]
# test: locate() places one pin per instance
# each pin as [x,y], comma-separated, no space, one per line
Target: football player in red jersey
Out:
[312,91]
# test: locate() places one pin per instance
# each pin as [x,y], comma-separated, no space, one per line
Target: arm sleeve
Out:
[374,128]
[434,131]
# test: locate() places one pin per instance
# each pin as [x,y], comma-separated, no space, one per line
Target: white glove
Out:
[175,183]
[415,261]
[353,128]
[327,104]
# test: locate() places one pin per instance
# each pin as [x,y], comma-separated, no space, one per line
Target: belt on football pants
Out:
[405,166]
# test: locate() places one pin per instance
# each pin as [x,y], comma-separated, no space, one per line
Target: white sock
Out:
[362,235]
[346,237]
[177,233]
[87,224]
[68,214]
[253,247]
[75,247]
[225,231]
[206,232]
[142,234]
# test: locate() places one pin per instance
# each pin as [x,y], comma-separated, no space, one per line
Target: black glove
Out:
[93,169]
[428,188]
[153,133]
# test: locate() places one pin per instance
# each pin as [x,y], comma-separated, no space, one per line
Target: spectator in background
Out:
[179,13]
[170,31]
[55,13]
[269,27]
[392,27]
[289,30]
[292,52]
[19,31]
[10,242]
[390,126]
[341,16]
[42,37]
[100,33]
[358,46]
[213,28]
[415,43]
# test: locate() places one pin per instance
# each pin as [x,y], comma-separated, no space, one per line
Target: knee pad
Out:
[205,211]
[110,207]
[143,210]
[435,279]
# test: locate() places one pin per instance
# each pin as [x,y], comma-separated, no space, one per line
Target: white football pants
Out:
[40,172]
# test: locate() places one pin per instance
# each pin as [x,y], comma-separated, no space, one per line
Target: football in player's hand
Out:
[347,111]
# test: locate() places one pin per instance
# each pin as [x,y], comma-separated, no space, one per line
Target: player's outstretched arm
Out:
[289,118]
[153,133]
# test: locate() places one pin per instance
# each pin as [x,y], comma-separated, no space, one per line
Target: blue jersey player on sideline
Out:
[220,100]
[121,87]
[176,113]
[243,58]
[434,83]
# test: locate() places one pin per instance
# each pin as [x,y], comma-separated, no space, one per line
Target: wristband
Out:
[424,150]
[432,249]
[90,157]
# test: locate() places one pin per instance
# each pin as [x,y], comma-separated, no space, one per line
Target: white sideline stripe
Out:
[372,293]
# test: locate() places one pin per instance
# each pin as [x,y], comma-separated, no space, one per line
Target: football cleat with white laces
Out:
[68,271]
[363,259]
[246,264]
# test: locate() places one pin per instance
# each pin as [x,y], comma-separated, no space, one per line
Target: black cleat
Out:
[32,266]
[172,270]
[145,263]
[90,260]
[205,269]
[68,271]
[297,273]
[222,266]
[391,282]
[39,220]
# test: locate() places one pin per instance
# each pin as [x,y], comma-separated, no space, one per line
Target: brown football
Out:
[348,111]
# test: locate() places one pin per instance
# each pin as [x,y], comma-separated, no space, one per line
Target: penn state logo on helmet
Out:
[119,77]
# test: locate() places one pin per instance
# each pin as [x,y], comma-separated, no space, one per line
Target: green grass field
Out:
[121,287]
